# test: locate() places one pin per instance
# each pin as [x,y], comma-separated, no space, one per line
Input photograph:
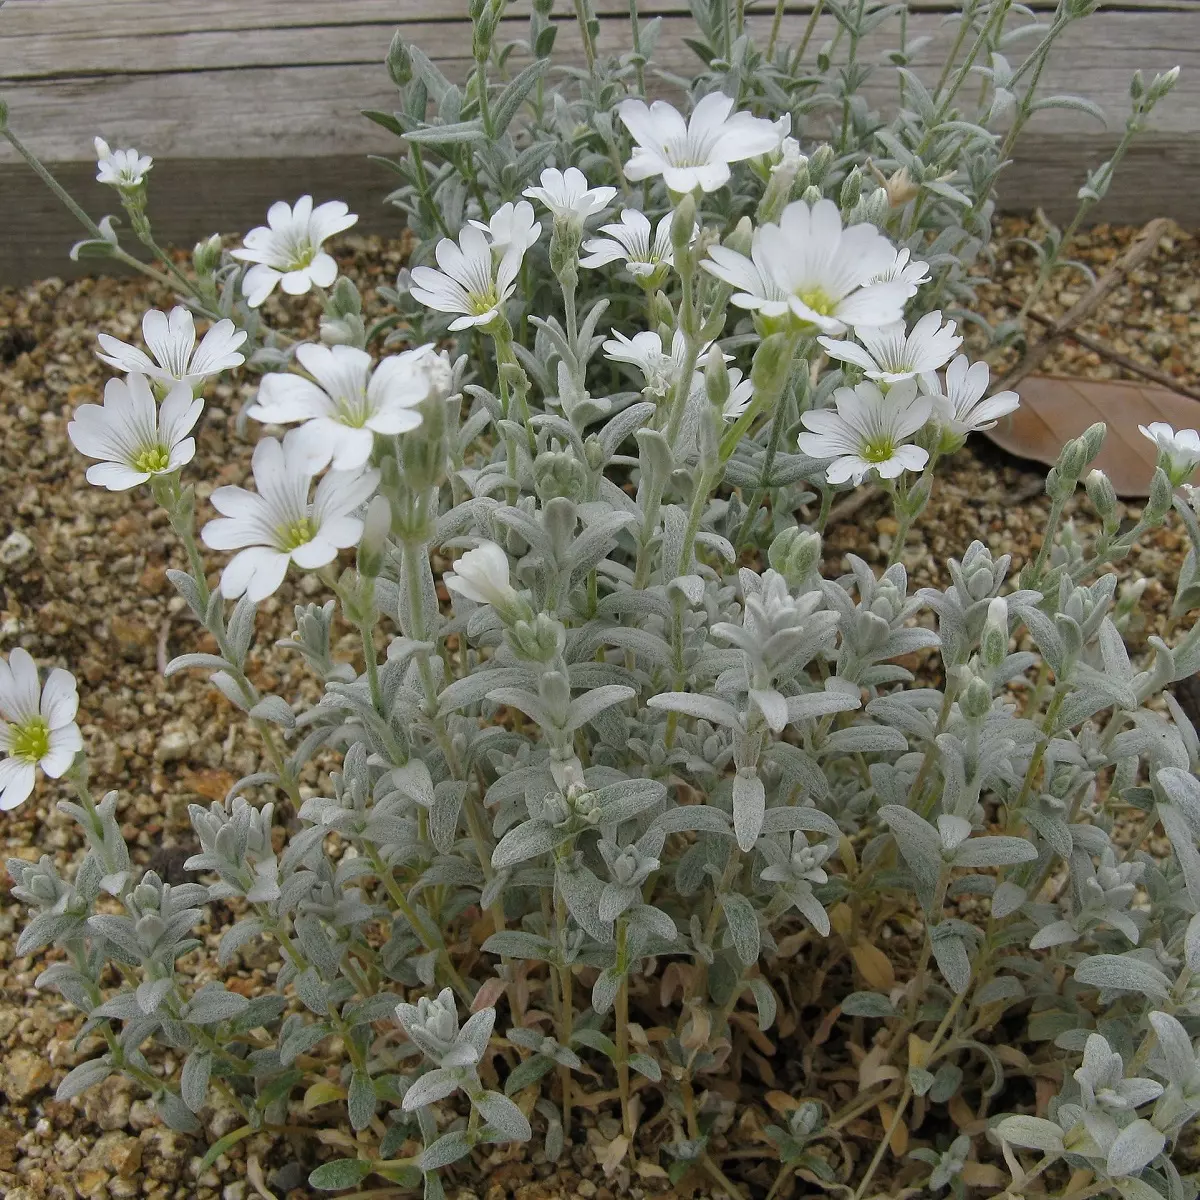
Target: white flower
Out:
[279,524]
[38,727]
[470,281]
[867,431]
[891,354]
[900,270]
[960,406]
[696,154]
[120,168]
[741,392]
[645,351]
[287,249]
[131,436]
[349,403]
[567,194]
[512,227]
[812,268]
[482,575]
[172,341]
[1179,452]
[630,241]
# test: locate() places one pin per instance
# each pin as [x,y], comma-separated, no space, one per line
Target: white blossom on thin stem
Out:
[630,241]
[470,282]
[120,168]
[900,270]
[1179,450]
[567,194]
[645,351]
[288,251]
[278,524]
[482,575]
[132,436]
[696,153]
[867,431]
[808,266]
[171,338]
[512,227]
[348,404]
[889,353]
[959,403]
[37,726]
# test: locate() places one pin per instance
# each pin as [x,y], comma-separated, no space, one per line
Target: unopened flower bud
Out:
[976,700]
[994,642]
[794,554]
[820,161]
[683,228]
[851,188]
[1071,461]
[772,364]
[1158,503]
[812,195]
[376,527]
[716,377]
[399,62]
[206,256]
[662,314]
[1101,493]
[539,640]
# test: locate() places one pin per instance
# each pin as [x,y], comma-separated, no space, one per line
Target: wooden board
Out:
[272,90]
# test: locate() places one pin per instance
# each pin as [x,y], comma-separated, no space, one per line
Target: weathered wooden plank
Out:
[275,96]
[141,18]
[268,107]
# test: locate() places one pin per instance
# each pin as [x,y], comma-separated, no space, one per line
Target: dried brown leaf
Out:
[873,966]
[1055,409]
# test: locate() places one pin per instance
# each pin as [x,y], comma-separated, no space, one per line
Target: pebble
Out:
[25,1073]
[15,548]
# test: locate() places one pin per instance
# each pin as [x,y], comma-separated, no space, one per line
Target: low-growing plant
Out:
[652,734]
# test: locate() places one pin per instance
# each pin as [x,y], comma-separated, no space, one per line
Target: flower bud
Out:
[1071,461]
[976,700]
[399,62]
[771,365]
[716,377]
[994,643]
[1159,502]
[851,188]
[794,554]
[541,639]
[206,256]
[820,161]
[662,314]
[683,228]
[376,527]
[1093,438]
[559,473]
[1101,493]
[812,195]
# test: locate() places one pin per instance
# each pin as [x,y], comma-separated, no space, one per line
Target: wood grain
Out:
[273,88]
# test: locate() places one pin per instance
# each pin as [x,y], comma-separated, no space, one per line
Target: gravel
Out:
[82,585]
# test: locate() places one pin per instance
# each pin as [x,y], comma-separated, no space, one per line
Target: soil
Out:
[82,585]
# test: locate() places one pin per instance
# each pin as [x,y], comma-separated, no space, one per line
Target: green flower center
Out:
[818,301]
[296,534]
[483,302]
[152,459]
[878,450]
[31,740]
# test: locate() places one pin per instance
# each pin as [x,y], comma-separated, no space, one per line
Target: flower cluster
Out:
[610,744]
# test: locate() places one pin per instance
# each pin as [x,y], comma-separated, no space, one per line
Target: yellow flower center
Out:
[878,450]
[31,740]
[152,459]
[483,302]
[818,301]
[296,534]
